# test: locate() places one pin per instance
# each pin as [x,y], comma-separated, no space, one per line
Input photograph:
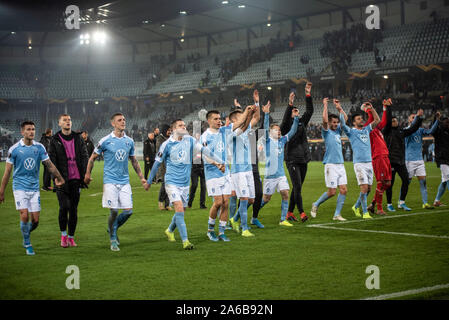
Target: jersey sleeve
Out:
[344,126]
[11,156]
[99,149]
[43,155]
[324,132]
[369,128]
[132,150]
[162,153]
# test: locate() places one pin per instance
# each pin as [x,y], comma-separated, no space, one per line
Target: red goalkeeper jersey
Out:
[378,145]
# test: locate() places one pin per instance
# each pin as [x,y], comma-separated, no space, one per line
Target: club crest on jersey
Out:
[181,155]
[120,155]
[364,138]
[338,139]
[416,138]
[29,164]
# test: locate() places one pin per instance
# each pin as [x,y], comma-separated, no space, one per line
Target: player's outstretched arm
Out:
[5,179]
[416,124]
[287,119]
[59,180]
[294,128]
[266,119]
[434,127]
[90,166]
[152,175]
[137,169]
[309,105]
[375,116]
[386,106]
[325,113]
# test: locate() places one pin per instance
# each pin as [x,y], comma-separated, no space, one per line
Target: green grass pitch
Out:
[278,263]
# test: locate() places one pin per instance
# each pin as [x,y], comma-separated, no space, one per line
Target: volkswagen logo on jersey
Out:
[29,163]
[220,146]
[364,138]
[120,155]
[181,155]
[416,138]
[338,139]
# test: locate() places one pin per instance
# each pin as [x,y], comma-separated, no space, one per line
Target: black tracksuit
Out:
[45,140]
[394,137]
[69,194]
[149,151]
[441,136]
[297,154]
[197,172]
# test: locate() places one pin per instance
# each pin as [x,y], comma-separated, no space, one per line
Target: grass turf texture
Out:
[278,263]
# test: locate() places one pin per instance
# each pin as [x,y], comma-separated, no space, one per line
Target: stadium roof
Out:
[138,21]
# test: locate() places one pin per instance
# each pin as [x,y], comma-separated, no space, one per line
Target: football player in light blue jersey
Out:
[241,168]
[25,157]
[361,147]
[334,167]
[218,183]
[413,156]
[116,148]
[177,152]
[275,178]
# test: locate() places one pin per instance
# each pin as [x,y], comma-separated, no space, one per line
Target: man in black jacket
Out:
[45,140]
[68,152]
[442,157]
[89,143]
[164,203]
[297,153]
[149,153]
[395,139]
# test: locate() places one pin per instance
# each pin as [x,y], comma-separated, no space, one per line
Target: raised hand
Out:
[438,115]
[338,105]
[256,96]
[308,87]
[291,98]
[325,102]
[266,108]
[237,104]
[295,113]
[387,102]
[420,112]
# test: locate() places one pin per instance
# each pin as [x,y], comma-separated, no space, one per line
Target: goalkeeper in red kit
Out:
[381,162]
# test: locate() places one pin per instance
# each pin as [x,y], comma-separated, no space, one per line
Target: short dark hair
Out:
[234,113]
[26,123]
[333,116]
[443,118]
[173,123]
[212,112]
[116,114]
[274,125]
[354,116]
[48,131]
[63,115]
[84,131]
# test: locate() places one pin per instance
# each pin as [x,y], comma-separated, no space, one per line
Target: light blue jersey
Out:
[332,140]
[361,146]
[216,142]
[413,143]
[241,152]
[26,161]
[274,149]
[116,152]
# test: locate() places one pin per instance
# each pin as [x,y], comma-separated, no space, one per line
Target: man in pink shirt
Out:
[68,152]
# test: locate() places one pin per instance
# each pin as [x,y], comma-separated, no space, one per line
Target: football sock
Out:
[221,227]
[423,188]
[123,217]
[363,202]
[323,198]
[211,226]
[111,223]
[441,189]
[262,203]
[232,206]
[172,225]
[357,203]
[378,196]
[243,212]
[34,225]
[25,228]
[284,209]
[340,201]
[181,224]
[64,233]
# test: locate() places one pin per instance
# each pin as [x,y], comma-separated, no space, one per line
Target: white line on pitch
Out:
[379,231]
[379,218]
[408,292]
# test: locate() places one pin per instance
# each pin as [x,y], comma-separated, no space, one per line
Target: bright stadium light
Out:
[268,24]
[99,37]
[183,12]
[225,2]
[12,32]
[96,102]
[242,6]
[181,97]
[182,40]
[269,88]
[385,76]
[30,47]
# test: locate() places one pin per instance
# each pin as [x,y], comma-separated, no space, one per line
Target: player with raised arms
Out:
[177,152]
[334,167]
[360,143]
[275,178]
[116,148]
[25,157]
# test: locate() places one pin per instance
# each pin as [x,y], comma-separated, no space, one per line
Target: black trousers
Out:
[46,178]
[297,173]
[197,173]
[148,166]
[68,206]
[401,169]
[163,197]
[258,189]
